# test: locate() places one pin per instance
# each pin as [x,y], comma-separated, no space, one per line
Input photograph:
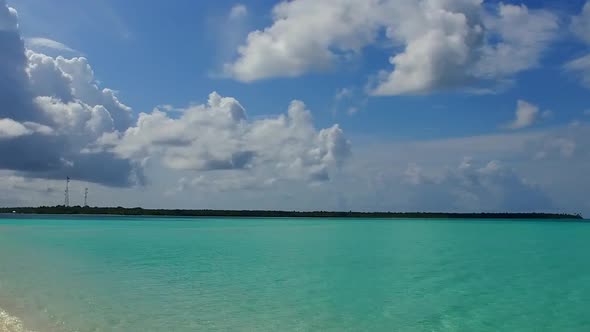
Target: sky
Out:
[369,105]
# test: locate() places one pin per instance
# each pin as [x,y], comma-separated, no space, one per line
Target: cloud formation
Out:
[46,44]
[302,36]
[57,121]
[12,129]
[580,26]
[481,187]
[238,11]
[526,115]
[581,68]
[219,136]
[437,44]
[50,108]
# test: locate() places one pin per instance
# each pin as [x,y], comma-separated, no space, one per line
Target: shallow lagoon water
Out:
[61,273]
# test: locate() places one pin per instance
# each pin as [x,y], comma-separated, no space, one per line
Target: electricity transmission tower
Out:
[67,192]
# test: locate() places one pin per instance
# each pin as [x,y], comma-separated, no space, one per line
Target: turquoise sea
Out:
[169,274]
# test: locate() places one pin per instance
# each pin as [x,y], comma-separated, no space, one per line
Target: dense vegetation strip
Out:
[269,213]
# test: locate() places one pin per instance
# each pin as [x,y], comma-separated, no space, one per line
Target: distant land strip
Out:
[137,211]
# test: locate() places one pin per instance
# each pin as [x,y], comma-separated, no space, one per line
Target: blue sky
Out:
[457,73]
[184,46]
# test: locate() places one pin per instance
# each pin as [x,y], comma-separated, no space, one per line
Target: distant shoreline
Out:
[78,210]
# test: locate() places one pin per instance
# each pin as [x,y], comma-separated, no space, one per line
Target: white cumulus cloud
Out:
[56,120]
[219,136]
[51,109]
[302,36]
[526,115]
[437,44]
[524,34]
[12,129]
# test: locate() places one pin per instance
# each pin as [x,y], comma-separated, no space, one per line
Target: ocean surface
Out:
[169,274]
